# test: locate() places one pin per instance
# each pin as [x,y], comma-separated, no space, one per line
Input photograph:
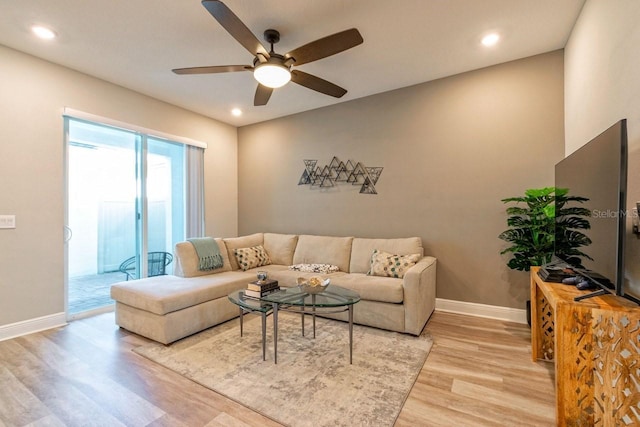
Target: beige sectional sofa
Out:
[168,308]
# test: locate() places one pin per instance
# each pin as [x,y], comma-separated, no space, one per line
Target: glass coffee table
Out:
[333,300]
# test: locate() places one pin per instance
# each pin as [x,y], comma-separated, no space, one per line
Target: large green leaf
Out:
[517,210]
[519,221]
[514,199]
[536,193]
[577,211]
[574,222]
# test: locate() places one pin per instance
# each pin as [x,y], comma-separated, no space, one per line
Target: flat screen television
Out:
[598,172]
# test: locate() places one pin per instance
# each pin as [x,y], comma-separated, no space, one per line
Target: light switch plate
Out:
[7,221]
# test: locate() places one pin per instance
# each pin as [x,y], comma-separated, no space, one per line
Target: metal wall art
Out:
[340,172]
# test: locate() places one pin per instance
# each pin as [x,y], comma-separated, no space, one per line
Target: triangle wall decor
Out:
[337,172]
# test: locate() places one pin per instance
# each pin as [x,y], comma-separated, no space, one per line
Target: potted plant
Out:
[540,217]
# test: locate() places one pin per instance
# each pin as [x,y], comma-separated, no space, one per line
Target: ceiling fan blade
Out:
[326,46]
[263,93]
[316,83]
[235,26]
[213,69]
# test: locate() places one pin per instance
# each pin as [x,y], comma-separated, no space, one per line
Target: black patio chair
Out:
[157,264]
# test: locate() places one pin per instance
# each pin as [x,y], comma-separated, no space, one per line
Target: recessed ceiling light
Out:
[236,112]
[43,32]
[490,39]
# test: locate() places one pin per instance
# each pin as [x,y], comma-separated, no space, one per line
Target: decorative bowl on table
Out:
[313,285]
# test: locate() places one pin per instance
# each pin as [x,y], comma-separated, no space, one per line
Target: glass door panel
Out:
[165,185]
[102,212]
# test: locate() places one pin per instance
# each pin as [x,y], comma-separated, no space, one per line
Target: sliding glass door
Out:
[165,195]
[125,209]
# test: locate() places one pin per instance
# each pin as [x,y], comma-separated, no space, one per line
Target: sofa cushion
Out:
[186,260]
[166,294]
[280,247]
[391,265]
[323,250]
[372,288]
[252,257]
[241,242]
[362,249]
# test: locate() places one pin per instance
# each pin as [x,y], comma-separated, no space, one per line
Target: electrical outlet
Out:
[7,221]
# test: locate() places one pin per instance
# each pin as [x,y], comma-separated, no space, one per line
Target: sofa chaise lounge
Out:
[168,308]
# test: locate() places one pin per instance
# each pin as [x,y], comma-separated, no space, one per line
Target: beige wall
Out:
[451,149]
[602,65]
[33,94]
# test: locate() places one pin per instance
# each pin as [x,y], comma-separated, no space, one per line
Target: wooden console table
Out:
[594,344]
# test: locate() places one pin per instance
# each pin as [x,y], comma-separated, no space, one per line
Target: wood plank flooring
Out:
[479,373]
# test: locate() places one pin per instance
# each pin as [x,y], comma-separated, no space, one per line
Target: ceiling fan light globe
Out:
[272,75]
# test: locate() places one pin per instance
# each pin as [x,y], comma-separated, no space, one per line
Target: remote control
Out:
[583,285]
[574,280]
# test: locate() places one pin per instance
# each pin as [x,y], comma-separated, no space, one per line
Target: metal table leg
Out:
[241,319]
[264,336]
[313,313]
[351,334]
[275,333]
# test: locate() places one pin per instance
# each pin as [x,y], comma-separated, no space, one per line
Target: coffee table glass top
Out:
[253,304]
[333,296]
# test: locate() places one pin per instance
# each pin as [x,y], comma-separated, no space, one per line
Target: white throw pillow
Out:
[315,268]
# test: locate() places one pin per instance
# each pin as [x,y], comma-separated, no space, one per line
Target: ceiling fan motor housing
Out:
[272,36]
[274,58]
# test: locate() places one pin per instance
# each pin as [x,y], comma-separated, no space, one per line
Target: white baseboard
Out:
[30,326]
[482,310]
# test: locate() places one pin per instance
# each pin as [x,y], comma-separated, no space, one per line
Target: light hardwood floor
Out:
[479,373]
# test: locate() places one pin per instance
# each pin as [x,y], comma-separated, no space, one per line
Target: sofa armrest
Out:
[419,294]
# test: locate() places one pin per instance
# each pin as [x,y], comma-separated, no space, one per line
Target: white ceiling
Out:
[136,43]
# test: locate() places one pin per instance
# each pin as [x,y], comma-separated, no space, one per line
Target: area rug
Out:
[313,383]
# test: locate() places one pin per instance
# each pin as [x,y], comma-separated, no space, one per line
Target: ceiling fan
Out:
[271,69]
